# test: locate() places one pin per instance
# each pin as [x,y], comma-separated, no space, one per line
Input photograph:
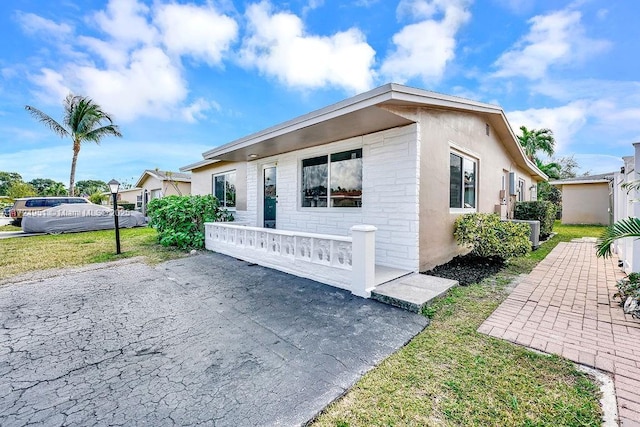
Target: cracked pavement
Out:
[203,340]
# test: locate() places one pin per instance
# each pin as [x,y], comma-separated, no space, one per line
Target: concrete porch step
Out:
[412,292]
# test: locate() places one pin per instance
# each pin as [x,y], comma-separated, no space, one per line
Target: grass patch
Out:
[453,376]
[10,227]
[24,254]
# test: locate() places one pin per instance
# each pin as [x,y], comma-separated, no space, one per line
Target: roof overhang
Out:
[369,112]
[583,181]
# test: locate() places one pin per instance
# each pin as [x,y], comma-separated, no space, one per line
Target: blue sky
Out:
[182,77]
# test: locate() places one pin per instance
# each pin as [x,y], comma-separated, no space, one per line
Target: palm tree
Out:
[83,121]
[551,169]
[536,140]
[627,227]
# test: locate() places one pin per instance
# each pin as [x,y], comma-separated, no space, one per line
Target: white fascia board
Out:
[389,93]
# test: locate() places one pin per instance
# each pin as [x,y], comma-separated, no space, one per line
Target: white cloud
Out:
[424,49]
[54,83]
[151,85]
[278,46]
[34,24]
[134,67]
[564,121]
[197,31]
[126,22]
[195,111]
[554,39]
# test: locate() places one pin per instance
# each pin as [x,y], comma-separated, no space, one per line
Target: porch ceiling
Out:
[360,122]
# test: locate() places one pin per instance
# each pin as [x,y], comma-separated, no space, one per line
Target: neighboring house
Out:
[404,160]
[156,183]
[128,195]
[586,199]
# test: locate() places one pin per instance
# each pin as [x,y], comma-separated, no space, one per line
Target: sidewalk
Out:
[565,307]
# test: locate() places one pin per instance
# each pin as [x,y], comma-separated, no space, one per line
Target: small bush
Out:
[180,219]
[540,210]
[489,237]
[127,206]
[629,294]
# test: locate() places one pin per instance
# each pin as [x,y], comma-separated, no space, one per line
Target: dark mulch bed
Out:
[467,269]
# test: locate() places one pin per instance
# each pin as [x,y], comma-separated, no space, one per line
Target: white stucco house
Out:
[156,183]
[397,161]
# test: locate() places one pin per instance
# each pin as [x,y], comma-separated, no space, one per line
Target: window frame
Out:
[328,154]
[476,162]
[223,203]
[520,190]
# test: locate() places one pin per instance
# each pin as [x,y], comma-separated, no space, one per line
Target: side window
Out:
[520,190]
[224,189]
[462,182]
[35,203]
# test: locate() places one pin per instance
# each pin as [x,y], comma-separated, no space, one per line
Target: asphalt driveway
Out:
[206,340]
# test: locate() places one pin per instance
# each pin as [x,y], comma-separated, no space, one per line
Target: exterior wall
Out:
[130,195]
[176,188]
[150,184]
[442,132]
[389,194]
[202,182]
[585,203]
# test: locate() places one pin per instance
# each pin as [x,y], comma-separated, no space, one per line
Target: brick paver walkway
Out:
[565,307]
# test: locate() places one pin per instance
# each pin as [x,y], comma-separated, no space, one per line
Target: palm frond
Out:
[627,227]
[97,134]
[44,118]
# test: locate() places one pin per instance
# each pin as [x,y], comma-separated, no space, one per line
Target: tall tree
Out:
[84,121]
[48,187]
[537,140]
[21,189]
[551,169]
[90,186]
[6,180]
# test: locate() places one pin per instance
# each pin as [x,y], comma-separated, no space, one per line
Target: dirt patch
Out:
[467,269]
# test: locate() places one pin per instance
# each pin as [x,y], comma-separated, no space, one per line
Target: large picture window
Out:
[224,189]
[333,180]
[462,182]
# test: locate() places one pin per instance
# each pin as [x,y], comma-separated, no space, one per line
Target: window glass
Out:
[462,182]
[469,183]
[520,190]
[230,190]
[314,182]
[346,179]
[455,181]
[224,189]
[35,203]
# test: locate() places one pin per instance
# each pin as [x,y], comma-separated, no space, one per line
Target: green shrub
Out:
[540,210]
[127,206]
[180,219]
[489,237]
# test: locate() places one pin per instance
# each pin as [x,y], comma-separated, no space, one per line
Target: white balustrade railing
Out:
[346,262]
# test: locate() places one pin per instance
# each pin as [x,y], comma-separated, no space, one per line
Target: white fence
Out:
[347,262]
[626,203]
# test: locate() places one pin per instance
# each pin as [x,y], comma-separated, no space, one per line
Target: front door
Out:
[270,196]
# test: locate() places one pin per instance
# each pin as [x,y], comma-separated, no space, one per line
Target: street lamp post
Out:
[113,187]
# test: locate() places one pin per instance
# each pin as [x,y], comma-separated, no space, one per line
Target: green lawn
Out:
[20,255]
[453,376]
[9,227]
